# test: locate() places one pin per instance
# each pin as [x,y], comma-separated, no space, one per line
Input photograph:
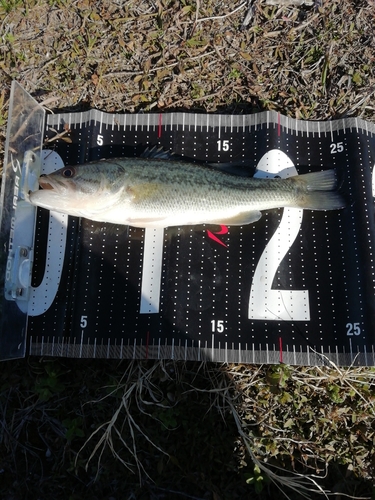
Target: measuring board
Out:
[296,287]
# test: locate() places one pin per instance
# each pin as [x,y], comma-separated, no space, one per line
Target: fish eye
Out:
[68,172]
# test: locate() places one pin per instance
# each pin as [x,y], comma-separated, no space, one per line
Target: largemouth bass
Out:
[157,193]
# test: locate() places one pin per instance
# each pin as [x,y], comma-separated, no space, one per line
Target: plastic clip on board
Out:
[297,286]
[21,171]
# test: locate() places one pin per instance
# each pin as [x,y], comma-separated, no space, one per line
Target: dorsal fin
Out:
[157,152]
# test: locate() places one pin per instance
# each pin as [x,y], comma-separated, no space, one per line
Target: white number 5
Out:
[83,322]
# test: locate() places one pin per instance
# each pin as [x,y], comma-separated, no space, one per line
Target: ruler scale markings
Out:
[321,355]
[134,346]
[281,349]
[72,348]
[81,344]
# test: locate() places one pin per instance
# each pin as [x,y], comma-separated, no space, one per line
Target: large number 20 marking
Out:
[265,302]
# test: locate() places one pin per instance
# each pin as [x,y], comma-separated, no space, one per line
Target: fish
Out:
[154,192]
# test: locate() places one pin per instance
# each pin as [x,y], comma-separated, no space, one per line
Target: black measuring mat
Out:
[297,286]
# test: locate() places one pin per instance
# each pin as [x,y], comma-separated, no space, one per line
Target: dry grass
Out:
[126,56]
[172,430]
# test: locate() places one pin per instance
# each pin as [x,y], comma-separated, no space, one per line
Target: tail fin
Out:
[320,181]
[320,191]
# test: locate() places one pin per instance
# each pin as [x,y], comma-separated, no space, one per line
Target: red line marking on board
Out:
[278,125]
[223,230]
[159,126]
[147,342]
[281,349]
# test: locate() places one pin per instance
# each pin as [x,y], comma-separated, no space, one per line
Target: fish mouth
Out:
[47,182]
[53,195]
[44,183]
